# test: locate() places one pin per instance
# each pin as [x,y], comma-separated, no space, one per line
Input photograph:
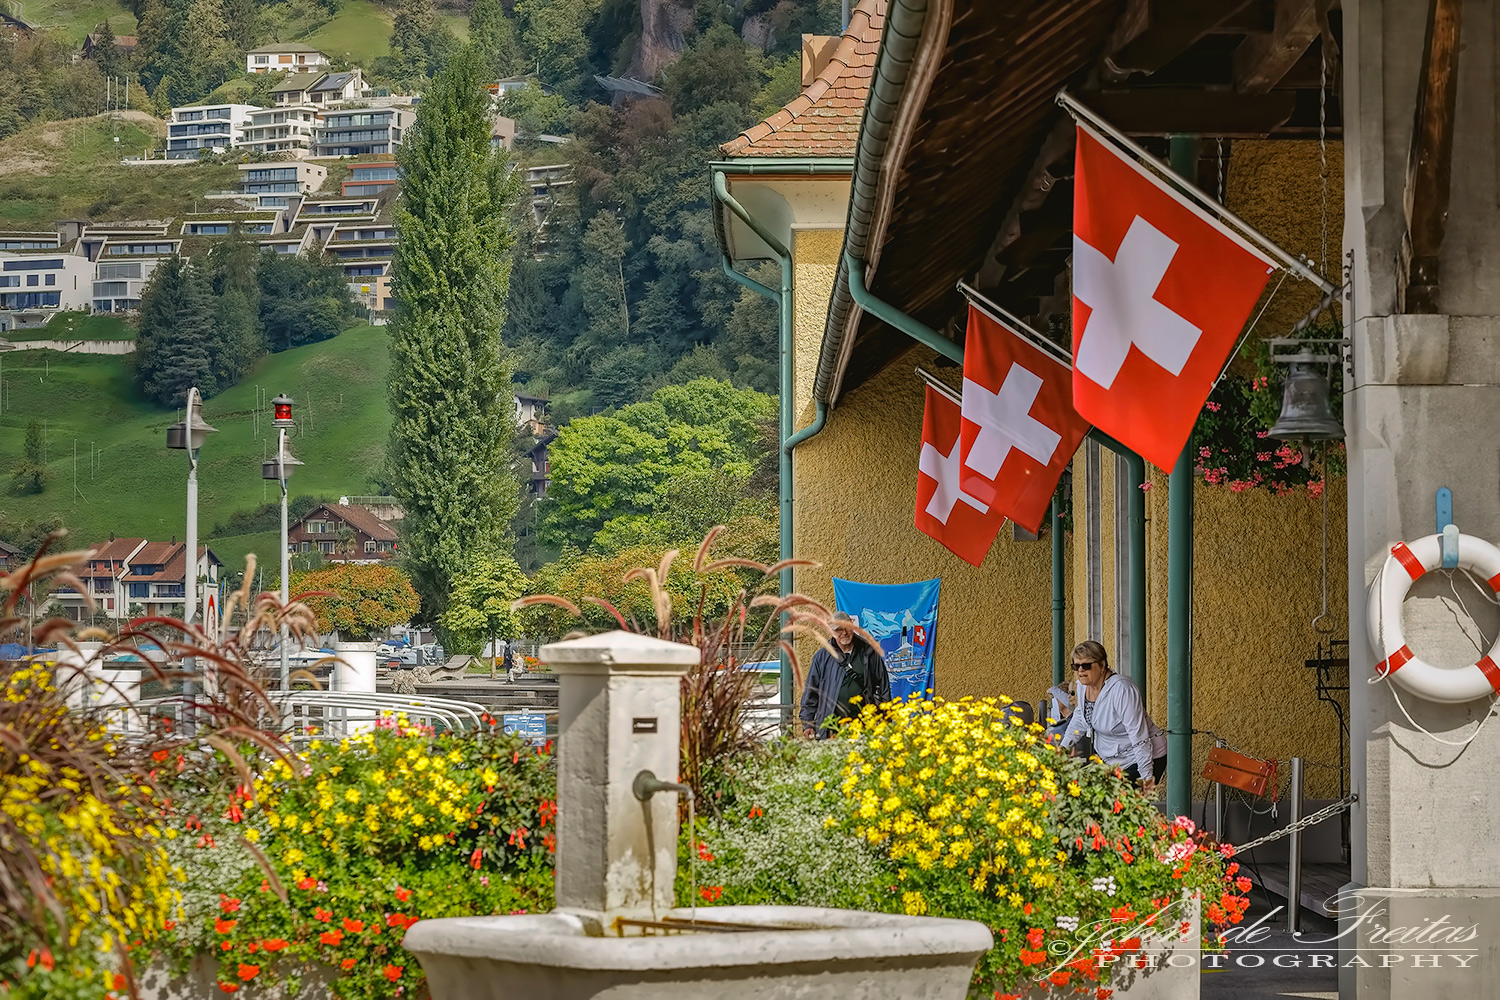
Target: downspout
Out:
[1059,599]
[783,300]
[889,314]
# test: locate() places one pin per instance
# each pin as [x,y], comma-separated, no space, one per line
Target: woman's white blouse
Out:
[1122,732]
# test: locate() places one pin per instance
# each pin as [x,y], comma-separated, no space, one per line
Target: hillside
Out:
[71,169]
[135,486]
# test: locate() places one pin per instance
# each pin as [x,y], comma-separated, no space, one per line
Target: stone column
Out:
[1421,412]
[618,708]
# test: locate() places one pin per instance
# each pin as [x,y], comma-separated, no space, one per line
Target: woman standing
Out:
[1108,709]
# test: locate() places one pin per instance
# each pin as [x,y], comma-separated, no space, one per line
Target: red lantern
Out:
[282,408]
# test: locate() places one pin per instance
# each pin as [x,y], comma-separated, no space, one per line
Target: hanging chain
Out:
[1220,162]
[1302,824]
[1323,141]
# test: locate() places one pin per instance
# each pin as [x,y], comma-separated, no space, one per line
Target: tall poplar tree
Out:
[450,385]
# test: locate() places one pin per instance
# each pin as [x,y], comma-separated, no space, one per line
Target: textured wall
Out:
[815,258]
[855,492]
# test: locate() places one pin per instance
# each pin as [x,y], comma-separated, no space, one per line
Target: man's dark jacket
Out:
[826,676]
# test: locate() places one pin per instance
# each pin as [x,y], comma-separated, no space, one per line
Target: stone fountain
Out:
[615,932]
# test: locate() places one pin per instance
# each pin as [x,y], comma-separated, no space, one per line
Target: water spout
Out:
[647,784]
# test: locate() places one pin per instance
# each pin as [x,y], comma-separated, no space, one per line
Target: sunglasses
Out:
[1086,666]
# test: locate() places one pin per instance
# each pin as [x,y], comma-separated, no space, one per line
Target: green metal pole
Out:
[1059,600]
[1184,161]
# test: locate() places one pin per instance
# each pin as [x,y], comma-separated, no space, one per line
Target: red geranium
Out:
[223,926]
[402,895]
[393,972]
[321,915]
[353,926]
[333,937]
[274,944]
[248,972]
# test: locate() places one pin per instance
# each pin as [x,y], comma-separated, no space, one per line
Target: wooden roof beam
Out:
[1430,163]
[1261,60]
[1151,33]
[1221,114]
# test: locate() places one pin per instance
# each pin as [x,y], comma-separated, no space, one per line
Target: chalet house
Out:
[10,557]
[131,576]
[285,57]
[343,533]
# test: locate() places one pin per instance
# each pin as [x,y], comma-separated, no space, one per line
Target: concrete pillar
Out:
[1421,414]
[618,714]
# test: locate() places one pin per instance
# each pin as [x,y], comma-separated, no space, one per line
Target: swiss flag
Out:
[966,526]
[1019,426]
[1160,294]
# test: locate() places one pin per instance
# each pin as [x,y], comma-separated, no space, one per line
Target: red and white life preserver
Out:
[1407,562]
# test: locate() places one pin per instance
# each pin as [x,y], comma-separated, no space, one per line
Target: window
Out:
[326,548]
[51,280]
[304,547]
[10,281]
[111,288]
[140,590]
[262,60]
[32,265]
[108,272]
[32,280]
[369,546]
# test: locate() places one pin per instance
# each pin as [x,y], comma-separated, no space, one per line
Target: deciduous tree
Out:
[479,609]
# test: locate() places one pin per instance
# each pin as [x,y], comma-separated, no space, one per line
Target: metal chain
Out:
[1323,141]
[1301,824]
[1219,160]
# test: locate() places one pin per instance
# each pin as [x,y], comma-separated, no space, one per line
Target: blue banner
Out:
[902,617]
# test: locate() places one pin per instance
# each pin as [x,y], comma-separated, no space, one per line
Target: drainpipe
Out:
[783,300]
[820,417]
[1184,162]
[889,314]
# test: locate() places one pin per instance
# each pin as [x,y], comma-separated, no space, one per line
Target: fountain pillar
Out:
[618,715]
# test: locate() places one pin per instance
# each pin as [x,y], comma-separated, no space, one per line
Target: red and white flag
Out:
[1019,426]
[1160,294]
[966,526]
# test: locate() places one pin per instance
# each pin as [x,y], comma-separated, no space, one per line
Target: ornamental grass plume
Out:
[86,793]
[717,694]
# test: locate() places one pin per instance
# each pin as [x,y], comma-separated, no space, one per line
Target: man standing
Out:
[842,680]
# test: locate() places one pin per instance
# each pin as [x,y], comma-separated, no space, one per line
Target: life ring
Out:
[1407,562]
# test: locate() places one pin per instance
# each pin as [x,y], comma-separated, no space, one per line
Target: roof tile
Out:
[824,119]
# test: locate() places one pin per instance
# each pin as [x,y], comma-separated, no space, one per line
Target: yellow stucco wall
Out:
[855,493]
[1258,559]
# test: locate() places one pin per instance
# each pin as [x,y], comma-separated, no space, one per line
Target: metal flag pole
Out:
[1016,324]
[1202,203]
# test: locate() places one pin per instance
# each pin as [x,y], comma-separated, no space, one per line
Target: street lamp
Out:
[188,434]
[278,469]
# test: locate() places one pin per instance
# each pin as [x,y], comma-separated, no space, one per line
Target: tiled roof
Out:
[824,119]
[357,518]
[298,81]
[333,81]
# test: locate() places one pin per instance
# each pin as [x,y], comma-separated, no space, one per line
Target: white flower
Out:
[1067,923]
[1105,884]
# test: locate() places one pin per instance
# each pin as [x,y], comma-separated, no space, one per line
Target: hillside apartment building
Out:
[135,576]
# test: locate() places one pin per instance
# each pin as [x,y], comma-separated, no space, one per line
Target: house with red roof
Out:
[343,533]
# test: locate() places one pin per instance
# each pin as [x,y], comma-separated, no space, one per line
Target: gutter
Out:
[783,298]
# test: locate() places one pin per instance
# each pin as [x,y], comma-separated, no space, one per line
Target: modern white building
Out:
[118,284]
[281,178]
[285,57]
[334,89]
[206,128]
[39,284]
[362,131]
[280,130]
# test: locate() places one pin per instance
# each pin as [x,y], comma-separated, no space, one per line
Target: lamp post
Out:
[278,469]
[188,434]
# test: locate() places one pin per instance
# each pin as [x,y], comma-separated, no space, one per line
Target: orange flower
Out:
[395,920]
[712,893]
[1029,957]
[307,883]
[353,926]
[274,944]
[225,945]
[402,895]
[347,964]
[223,926]
[1060,977]
[333,937]
[230,987]
[227,904]
[1034,937]
[393,972]
[248,972]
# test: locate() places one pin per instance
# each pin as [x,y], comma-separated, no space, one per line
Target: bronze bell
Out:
[1305,413]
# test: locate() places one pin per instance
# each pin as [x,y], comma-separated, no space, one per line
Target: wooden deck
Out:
[1320,882]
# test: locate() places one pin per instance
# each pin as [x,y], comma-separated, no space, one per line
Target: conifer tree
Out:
[174,349]
[450,385]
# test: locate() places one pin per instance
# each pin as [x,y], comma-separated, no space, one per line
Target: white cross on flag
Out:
[1019,426]
[966,526]
[1160,295]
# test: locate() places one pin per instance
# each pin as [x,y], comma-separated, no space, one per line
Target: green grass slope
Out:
[72,170]
[137,487]
[74,19]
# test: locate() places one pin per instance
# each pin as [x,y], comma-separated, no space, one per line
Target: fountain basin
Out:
[794,951]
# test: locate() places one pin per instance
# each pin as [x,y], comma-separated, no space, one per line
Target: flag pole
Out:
[1084,115]
[938,386]
[1017,325]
